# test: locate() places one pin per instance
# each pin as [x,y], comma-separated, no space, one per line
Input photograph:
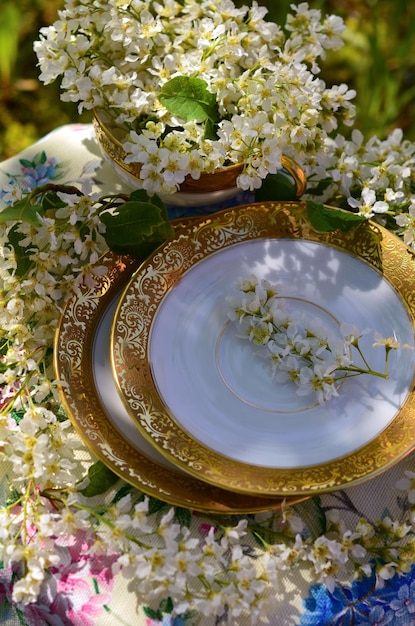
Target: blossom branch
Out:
[296,347]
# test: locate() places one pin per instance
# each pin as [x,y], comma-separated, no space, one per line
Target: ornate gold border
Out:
[73,366]
[133,319]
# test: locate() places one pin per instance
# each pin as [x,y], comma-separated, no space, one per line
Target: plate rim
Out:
[90,420]
[288,218]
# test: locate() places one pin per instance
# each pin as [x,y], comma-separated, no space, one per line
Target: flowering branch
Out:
[297,348]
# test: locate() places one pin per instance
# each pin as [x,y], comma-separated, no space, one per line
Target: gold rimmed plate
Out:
[90,397]
[199,397]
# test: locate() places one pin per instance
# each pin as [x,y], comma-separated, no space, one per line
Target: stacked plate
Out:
[159,385]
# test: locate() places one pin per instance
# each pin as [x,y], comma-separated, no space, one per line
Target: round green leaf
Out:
[190,99]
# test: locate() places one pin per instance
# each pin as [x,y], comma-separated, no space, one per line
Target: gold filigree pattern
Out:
[160,273]
[74,367]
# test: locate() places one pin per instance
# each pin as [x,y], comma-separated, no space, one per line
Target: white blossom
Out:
[407,483]
[368,205]
[263,76]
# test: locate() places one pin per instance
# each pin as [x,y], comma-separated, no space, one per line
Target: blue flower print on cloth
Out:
[41,170]
[362,603]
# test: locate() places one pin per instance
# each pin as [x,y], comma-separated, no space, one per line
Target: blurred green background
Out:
[378,60]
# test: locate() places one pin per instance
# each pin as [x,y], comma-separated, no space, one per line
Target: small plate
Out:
[198,395]
[90,397]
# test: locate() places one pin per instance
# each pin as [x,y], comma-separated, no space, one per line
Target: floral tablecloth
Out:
[341,558]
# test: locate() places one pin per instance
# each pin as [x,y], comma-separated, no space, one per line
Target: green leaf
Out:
[183,516]
[155,505]
[152,614]
[190,99]
[51,202]
[267,536]
[26,163]
[101,478]
[326,219]
[22,211]
[17,415]
[61,414]
[14,497]
[318,189]
[278,186]
[136,227]
[166,606]
[23,262]
[39,159]
[210,130]
[4,346]
[140,195]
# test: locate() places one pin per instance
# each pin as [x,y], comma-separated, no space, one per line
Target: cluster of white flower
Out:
[215,568]
[118,56]
[209,574]
[298,347]
[374,178]
[42,261]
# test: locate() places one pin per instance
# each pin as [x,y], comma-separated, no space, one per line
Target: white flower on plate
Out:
[298,348]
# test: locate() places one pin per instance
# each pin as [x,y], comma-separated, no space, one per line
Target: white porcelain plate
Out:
[203,397]
[225,397]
